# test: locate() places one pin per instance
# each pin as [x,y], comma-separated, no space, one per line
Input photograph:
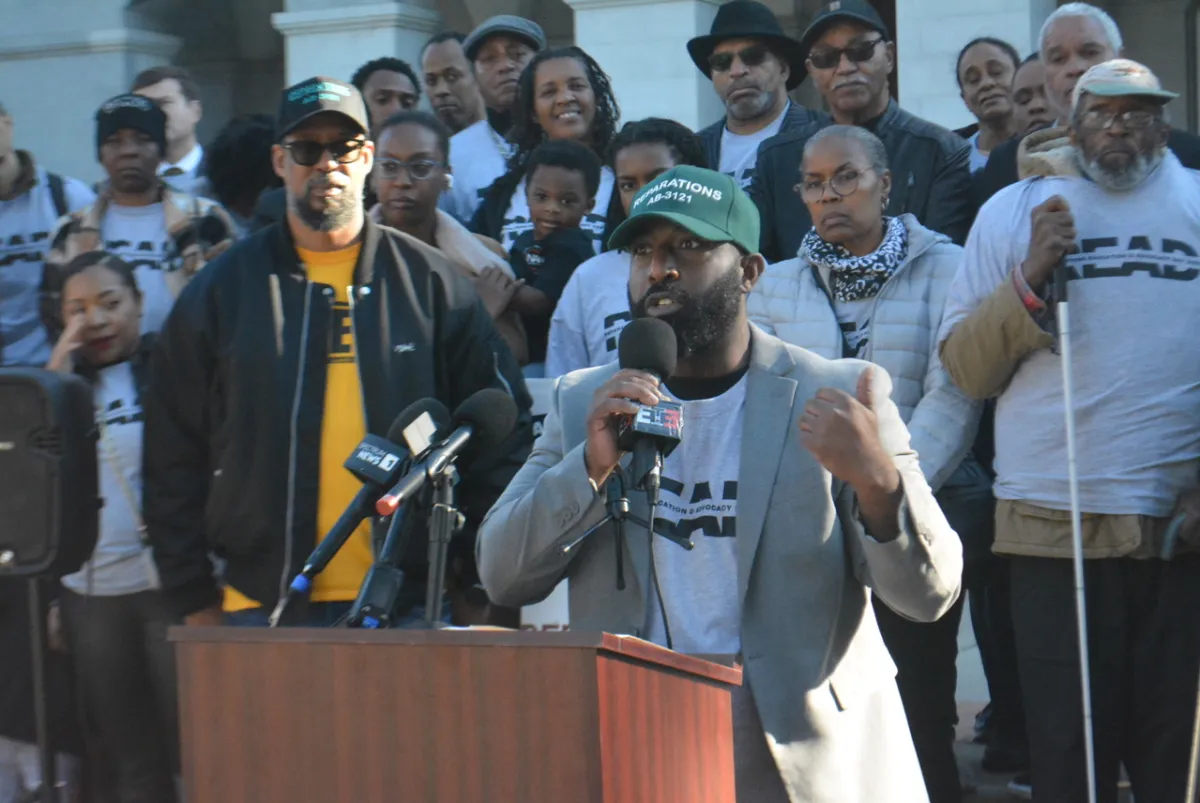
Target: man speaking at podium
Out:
[810,460]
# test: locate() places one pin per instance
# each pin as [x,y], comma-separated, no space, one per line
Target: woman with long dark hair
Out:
[113,615]
[594,306]
[563,94]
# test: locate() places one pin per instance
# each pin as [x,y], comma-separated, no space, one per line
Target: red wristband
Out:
[1033,304]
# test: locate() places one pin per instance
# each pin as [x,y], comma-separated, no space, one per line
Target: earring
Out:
[450,181]
[885,203]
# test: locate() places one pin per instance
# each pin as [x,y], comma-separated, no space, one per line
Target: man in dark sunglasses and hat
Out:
[280,357]
[753,66]
[849,54]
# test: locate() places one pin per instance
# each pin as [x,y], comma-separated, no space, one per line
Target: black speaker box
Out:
[49,499]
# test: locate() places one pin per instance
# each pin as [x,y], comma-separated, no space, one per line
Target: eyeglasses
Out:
[842,184]
[418,170]
[1131,120]
[751,56]
[307,153]
[827,58]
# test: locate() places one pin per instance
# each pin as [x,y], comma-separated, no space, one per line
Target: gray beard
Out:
[1125,180]
[337,214]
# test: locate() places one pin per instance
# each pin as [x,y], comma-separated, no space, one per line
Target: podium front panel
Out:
[280,716]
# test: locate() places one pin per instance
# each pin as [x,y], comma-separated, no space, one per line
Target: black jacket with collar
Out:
[795,117]
[235,411]
[931,179]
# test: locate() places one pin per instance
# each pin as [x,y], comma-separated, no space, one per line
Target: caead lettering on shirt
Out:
[678,189]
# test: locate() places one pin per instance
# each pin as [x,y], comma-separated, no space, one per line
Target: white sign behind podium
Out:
[553,612]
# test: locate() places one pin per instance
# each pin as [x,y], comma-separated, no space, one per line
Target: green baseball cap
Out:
[709,204]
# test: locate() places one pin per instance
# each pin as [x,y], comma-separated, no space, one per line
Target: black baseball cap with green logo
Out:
[709,204]
[305,100]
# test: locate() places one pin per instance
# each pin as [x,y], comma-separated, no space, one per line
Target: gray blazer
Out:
[822,680]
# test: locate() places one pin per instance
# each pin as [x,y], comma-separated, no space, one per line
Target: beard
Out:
[1124,179]
[336,212]
[752,108]
[701,323]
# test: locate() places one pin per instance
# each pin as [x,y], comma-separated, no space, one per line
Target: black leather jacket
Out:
[931,179]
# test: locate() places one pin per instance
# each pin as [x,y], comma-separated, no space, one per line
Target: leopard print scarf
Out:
[856,278]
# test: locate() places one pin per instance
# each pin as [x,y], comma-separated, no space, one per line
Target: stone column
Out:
[642,45]
[336,40]
[931,32]
[55,78]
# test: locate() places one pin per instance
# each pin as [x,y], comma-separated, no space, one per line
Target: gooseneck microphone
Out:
[377,462]
[650,345]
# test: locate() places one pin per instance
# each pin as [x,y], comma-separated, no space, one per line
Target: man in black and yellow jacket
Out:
[276,361]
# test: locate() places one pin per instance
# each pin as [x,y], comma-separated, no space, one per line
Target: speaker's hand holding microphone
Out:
[620,419]
[620,398]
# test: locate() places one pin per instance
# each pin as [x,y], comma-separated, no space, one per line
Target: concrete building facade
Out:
[60,58]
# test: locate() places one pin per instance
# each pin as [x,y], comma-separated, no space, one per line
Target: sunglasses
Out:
[751,56]
[307,153]
[418,170]
[829,57]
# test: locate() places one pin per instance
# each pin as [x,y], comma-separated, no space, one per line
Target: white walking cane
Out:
[1063,317]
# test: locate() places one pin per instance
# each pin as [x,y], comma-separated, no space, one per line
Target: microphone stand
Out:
[444,521]
[617,504]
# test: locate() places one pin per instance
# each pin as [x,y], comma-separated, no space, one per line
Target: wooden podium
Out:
[451,716]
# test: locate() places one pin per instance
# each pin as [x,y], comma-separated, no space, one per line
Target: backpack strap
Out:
[58,193]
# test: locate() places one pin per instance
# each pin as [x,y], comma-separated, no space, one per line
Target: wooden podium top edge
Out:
[624,646]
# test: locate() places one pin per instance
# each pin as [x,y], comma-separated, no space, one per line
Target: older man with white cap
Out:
[1127,225]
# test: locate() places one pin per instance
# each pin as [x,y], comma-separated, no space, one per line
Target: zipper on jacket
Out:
[290,515]
[362,394]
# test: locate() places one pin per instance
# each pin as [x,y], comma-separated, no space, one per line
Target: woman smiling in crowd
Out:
[563,95]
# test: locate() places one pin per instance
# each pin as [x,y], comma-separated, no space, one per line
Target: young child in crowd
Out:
[562,178]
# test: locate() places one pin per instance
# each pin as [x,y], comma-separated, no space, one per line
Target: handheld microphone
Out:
[648,344]
[479,425]
[377,462]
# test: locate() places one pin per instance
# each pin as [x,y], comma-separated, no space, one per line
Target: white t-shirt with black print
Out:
[478,156]
[26,223]
[517,220]
[121,563]
[138,235]
[739,152]
[699,499]
[591,312]
[854,318]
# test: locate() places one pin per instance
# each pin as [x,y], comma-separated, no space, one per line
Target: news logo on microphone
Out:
[663,423]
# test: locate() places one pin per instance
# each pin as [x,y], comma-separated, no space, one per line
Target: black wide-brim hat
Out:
[747,19]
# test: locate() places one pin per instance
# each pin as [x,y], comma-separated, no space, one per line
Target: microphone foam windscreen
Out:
[648,344]
[492,415]
[437,411]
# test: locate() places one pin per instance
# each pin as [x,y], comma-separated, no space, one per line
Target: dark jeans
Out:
[126,675]
[987,581]
[926,653]
[1145,656]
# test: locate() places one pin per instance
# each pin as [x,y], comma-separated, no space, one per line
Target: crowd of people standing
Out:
[248,310]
